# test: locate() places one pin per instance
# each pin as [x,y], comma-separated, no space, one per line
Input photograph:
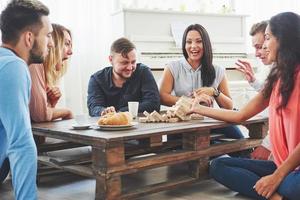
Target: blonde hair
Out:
[55,56]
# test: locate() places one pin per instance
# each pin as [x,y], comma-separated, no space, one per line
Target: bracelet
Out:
[216,92]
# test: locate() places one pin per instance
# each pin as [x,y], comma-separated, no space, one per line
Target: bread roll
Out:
[121,118]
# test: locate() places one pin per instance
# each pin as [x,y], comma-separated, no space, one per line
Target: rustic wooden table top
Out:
[63,128]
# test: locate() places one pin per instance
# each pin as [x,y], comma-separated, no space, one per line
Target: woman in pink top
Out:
[262,179]
[45,77]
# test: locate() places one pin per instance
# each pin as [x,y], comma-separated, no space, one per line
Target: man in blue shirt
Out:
[26,36]
[111,88]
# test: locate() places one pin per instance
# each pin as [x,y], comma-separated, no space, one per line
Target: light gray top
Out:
[186,79]
[257,85]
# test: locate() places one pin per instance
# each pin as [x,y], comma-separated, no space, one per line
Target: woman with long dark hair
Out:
[196,73]
[278,179]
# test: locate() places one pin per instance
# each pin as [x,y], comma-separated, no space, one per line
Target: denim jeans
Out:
[240,175]
[235,133]
[230,131]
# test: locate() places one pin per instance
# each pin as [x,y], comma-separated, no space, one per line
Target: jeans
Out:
[230,131]
[235,133]
[240,175]
[4,170]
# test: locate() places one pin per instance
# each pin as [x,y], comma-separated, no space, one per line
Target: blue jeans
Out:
[235,133]
[230,132]
[4,170]
[240,175]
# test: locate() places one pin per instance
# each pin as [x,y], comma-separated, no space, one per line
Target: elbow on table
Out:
[166,99]
[41,117]
[239,118]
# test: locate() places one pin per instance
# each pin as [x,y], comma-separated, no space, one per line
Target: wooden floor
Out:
[71,187]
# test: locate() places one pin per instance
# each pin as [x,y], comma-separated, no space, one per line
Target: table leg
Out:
[258,130]
[197,141]
[108,187]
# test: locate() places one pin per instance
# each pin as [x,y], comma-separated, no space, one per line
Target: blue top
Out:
[14,98]
[187,80]
[141,87]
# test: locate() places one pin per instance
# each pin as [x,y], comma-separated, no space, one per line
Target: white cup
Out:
[133,108]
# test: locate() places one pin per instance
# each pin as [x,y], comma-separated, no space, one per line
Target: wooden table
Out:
[110,151]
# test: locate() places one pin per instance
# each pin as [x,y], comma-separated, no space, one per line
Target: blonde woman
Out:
[45,77]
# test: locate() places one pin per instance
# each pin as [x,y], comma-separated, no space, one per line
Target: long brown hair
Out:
[286,29]
[208,73]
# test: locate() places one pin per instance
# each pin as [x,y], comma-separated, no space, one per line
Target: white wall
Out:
[90,23]
[91,26]
[259,10]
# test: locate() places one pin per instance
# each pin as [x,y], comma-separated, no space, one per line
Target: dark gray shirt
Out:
[141,87]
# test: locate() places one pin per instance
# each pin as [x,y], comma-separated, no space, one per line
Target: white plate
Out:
[81,126]
[117,127]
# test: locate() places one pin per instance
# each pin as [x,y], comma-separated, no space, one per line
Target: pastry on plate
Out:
[113,118]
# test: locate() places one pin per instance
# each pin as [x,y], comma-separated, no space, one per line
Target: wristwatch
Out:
[216,92]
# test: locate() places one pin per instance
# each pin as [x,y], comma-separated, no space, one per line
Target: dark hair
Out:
[208,73]
[122,46]
[19,16]
[259,28]
[285,27]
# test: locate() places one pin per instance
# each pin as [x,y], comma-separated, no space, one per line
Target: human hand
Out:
[108,110]
[267,185]
[204,99]
[205,90]
[196,107]
[68,114]
[261,153]
[53,95]
[246,68]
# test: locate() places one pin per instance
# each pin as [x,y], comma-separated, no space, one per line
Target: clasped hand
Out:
[267,185]
[53,95]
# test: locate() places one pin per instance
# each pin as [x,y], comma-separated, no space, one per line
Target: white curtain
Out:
[90,23]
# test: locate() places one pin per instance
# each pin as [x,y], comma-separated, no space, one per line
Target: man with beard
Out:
[26,38]
[111,88]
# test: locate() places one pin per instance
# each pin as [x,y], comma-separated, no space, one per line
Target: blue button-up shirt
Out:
[141,87]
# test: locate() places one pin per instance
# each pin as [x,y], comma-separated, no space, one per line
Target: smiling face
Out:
[194,47]
[257,42]
[270,45]
[67,47]
[123,67]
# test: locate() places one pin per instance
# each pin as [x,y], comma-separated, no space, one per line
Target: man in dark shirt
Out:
[111,88]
